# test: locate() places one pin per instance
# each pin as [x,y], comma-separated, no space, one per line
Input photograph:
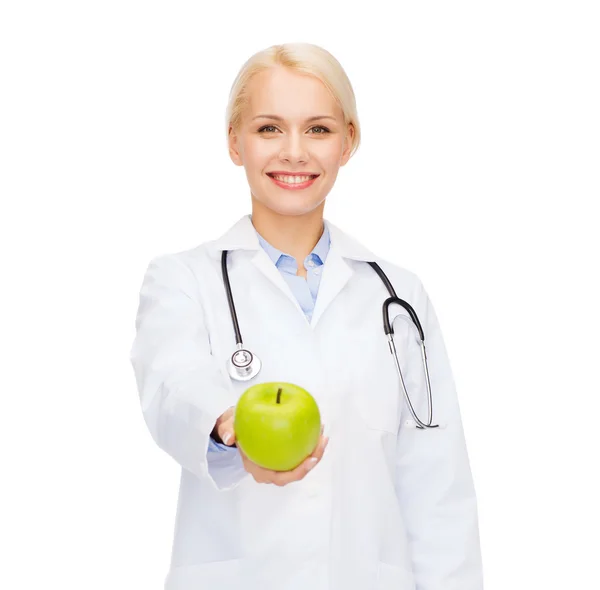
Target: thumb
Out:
[228,437]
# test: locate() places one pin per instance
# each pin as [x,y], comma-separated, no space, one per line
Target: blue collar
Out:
[319,253]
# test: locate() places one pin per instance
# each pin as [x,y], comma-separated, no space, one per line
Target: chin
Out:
[292,206]
[292,209]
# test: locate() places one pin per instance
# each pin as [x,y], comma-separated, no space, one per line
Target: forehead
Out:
[279,91]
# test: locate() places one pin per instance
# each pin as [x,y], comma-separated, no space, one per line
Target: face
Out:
[290,140]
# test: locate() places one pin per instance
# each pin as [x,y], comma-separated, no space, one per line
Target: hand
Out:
[281,478]
[223,431]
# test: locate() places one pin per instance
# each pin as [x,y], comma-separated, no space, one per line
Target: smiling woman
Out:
[384,507]
[292,123]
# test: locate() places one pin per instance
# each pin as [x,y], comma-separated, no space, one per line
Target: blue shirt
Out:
[305,290]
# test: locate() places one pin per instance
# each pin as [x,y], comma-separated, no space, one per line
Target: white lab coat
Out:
[389,507]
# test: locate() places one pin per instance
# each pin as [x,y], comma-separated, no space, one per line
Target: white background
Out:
[481,131]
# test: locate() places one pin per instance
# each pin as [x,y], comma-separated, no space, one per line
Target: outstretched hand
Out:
[282,478]
[226,433]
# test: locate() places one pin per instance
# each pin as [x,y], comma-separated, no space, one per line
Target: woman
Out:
[385,505]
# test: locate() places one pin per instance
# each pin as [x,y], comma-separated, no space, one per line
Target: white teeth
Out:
[292,179]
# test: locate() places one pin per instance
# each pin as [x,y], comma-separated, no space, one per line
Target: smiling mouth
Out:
[293,182]
[290,177]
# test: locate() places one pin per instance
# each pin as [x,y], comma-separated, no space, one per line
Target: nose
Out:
[294,148]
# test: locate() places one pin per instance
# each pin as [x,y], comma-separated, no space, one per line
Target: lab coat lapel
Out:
[242,236]
[336,270]
[265,265]
[336,273]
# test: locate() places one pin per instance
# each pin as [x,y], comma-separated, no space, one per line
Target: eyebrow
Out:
[277,118]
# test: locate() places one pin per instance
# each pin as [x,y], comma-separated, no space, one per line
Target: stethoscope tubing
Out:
[387,327]
[236,325]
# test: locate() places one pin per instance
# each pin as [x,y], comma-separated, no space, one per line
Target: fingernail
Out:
[227,437]
[311,463]
[322,428]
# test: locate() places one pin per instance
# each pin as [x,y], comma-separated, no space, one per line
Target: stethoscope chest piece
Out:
[243,365]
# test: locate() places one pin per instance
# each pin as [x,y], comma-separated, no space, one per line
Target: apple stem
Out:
[279,395]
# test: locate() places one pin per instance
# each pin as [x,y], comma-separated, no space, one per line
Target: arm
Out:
[434,482]
[182,391]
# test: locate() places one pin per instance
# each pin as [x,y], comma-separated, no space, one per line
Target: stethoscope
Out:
[244,365]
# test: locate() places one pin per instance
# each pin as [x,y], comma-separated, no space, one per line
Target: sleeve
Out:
[181,388]
[433,476]
[214,446]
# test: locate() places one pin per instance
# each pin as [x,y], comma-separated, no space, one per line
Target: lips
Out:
[271,174]
[293,186]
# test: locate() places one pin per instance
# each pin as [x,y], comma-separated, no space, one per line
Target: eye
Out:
[266,127]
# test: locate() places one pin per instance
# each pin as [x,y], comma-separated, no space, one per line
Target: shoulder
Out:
[182,267]
[403,278]
[401,273]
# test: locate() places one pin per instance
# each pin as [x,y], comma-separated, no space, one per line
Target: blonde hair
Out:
[303,58]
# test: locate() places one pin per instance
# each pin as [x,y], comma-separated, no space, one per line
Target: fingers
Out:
[281,478]
[320,450]
[226,431]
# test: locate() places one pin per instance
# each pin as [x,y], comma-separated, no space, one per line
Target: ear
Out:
[233,143]
[348,144]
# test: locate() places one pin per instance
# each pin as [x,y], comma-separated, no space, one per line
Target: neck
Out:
[295,235]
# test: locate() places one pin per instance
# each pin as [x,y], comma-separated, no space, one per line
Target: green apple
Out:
[277,425]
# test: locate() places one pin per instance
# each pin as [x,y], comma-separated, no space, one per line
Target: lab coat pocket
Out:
[374,379]
[394,577]
[212,574]
[378,409]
